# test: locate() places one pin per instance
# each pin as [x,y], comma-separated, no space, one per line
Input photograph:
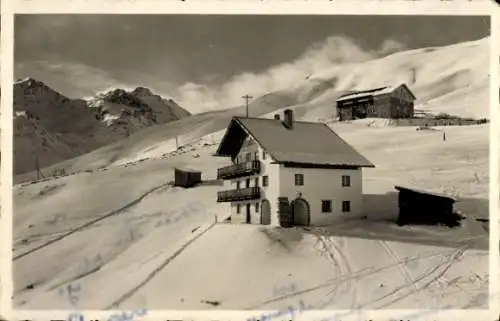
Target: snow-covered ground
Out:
[122,236]
[126,230]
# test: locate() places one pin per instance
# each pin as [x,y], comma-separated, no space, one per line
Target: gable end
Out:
[403,92]
[236,137]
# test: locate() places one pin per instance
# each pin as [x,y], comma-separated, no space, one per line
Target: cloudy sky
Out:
[178,54]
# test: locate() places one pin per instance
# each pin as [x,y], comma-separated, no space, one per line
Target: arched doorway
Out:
[301,212]
[265,212]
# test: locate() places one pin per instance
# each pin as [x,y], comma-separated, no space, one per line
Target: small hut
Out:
[422,207]
[186,177]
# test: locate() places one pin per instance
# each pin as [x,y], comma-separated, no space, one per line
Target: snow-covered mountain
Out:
[451,79]
[140,107]
[132,240]
[50,127]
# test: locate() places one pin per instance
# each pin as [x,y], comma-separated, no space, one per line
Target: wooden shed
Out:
[186,177]
[422,207]
[383,102]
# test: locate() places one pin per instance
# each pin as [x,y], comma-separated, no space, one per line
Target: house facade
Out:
[309,165]
[384,102]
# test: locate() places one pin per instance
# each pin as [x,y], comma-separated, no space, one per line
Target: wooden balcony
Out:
[242,194]
[239,170]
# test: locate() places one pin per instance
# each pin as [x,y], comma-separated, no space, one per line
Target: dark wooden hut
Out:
[422,207]
[186,177]
[383,102]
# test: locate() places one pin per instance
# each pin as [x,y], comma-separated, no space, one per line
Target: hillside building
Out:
[423,207]
[289,171]
[186,177]
[384,102]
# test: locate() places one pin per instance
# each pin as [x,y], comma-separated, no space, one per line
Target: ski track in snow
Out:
[92,222]
[150,276]
[402,268]
[335,255]
[441,270]
[365,272]
[123,209]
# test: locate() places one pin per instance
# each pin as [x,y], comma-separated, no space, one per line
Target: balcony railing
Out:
[243,194]
[239,170]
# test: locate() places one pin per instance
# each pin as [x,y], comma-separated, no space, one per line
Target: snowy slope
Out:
[162,137]
[452,79]
[122,236]
[112,251]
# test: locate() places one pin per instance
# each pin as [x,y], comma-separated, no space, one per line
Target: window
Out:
[264,155]
[256,207]
[326,206]
[249,156]
[265,180]
[256,182]
[247,185]
[238,185]
[238,209]
[256,155]
[299,179]
[346,206]
[346,180]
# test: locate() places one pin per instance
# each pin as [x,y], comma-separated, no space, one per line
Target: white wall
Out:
[270,192]
[319,184]
[324,184]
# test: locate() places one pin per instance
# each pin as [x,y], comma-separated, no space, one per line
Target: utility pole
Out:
[247,98]
[39,174]
[37,169]
[413,75]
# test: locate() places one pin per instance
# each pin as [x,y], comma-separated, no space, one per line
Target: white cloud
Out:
[79,80]
[319,56]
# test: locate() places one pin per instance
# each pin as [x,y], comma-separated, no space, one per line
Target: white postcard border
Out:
[239,7]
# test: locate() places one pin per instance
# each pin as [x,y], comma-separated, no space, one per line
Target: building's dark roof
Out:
[373,92]
[307,143]
[423,192]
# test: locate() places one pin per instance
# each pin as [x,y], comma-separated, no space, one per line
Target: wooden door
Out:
[300,210]
[248,213]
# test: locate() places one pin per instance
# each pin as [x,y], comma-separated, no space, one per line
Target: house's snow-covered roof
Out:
[307,143]
[372,92]
[367,93]
[187,169]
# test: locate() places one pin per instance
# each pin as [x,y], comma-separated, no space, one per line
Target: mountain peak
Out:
[142,91]
[121,96]
[29,82]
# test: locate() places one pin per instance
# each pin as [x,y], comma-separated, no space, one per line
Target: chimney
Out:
[276,116]
[288,118]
